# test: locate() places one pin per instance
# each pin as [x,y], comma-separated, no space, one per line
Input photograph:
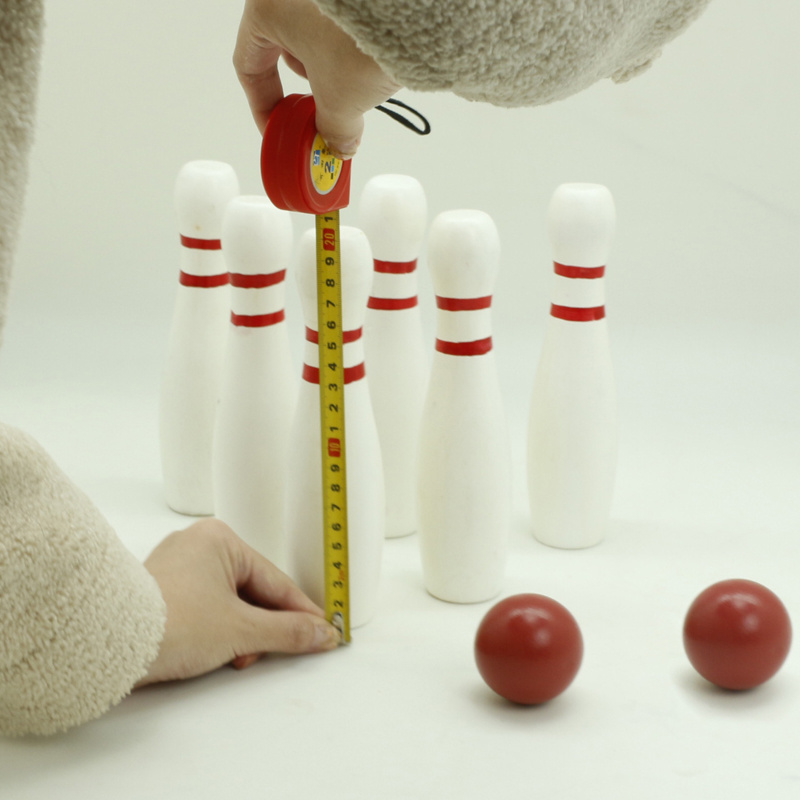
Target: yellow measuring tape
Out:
[331,397]
[300,173]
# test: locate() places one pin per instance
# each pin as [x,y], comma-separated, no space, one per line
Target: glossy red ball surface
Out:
[528,648]
[737,633]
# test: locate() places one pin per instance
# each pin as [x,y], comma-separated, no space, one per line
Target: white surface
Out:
[703,290]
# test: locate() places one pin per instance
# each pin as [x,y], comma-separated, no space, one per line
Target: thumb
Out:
[267,631]
[341,129]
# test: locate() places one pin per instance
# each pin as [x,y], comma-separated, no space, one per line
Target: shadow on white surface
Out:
[485,699]
[759,702]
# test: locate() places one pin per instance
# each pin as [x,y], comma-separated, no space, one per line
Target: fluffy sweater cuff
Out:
[80,618]
[511,52]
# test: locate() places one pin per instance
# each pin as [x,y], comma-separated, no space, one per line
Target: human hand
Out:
[345,82]
[226,604]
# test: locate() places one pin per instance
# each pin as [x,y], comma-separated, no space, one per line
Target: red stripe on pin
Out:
[351,374]
[476,348]
[258,320]
[201,244]
[241,281]
[395,267]
[582,273]
[204,281]
[392,303]
[347,336]
[571,314]
[463,303]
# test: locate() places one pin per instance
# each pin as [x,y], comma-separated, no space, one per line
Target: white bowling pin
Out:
[259,385]
[365,487]
[196,346]
[393,214]
[572,435]
[464,468]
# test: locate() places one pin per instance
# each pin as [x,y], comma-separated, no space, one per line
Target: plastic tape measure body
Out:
[298,171]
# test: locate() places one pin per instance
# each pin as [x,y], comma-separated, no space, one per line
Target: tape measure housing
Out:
[299,173]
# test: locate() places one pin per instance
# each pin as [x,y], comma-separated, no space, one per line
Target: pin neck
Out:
[463,303]
[257,320]
[347,336]
[204,281]
[580,273]
[573,314]
[395,267]
[262,281]
[393,303]
[478,347]
[351,374]
[200,244]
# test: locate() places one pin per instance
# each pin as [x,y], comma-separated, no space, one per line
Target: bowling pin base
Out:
[186,498]
[464,598]
[400,533]
[565,542]
[190,510]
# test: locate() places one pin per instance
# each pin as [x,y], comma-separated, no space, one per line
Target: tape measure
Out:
[300,174]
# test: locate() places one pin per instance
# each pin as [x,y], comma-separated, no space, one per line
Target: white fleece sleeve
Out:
[81,619]
[20,44]
[511,52]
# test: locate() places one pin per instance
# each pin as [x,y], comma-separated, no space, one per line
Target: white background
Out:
[701,155]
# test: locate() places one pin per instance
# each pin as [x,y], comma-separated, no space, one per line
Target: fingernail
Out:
[243,662]
[346,150]
[326,637]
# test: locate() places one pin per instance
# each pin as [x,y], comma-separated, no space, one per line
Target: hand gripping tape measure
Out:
[301,174]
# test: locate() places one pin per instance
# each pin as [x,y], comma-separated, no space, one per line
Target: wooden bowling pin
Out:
[572,435]
[393,214]
[196,347]
[259,384]
[464,469]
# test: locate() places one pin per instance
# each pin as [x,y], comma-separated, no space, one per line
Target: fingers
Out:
[263,584]
[243,662]
[295,65]
[203,572]
[282,632]
[256,62]
[345,82]
[340,128]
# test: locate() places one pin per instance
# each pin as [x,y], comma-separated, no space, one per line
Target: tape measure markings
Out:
[332,421]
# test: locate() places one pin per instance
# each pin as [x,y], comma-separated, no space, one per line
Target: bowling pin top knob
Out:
[356,276]
[392,213]
[580,222]
[257,237]
[463,254]
[202,191]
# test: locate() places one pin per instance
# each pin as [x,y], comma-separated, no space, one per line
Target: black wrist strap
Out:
[404,120]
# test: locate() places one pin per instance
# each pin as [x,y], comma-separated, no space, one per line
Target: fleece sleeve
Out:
[81,619]
[511,52]
[20,44]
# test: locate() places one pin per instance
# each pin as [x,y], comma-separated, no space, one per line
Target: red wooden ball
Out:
[528,648]
[737,634]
